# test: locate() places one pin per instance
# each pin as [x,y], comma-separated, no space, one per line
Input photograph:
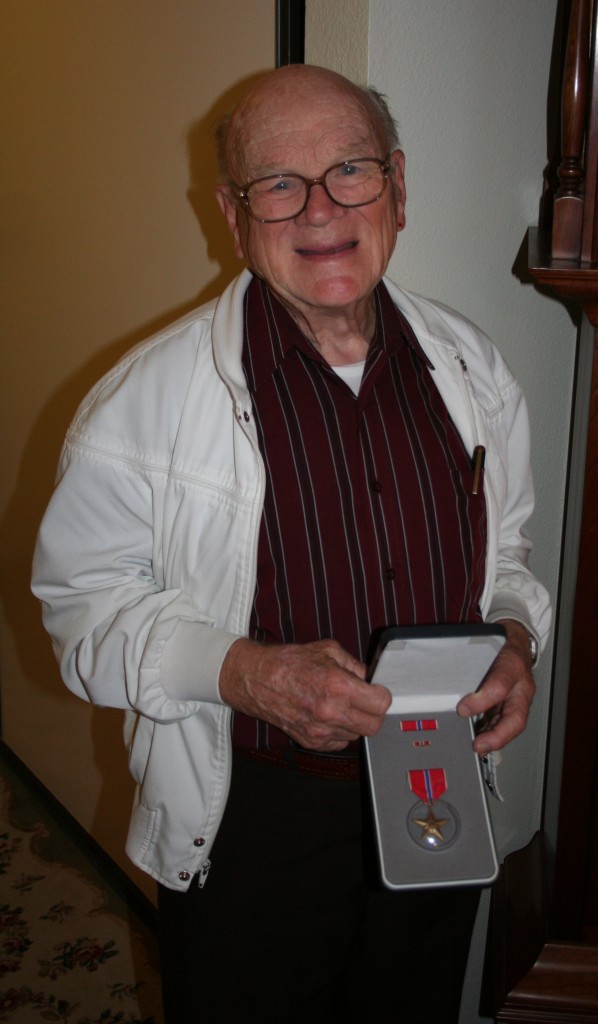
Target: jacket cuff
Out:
[191,660]
[509,606]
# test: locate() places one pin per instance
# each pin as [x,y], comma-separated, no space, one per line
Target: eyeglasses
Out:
[284,196]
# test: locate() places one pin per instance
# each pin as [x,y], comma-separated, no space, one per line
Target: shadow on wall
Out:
[35,482]
[203,174]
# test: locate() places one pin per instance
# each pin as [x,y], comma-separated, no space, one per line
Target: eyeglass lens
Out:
[283,196]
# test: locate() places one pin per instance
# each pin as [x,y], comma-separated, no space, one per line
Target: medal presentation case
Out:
[429,802]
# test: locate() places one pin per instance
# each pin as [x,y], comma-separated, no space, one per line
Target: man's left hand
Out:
[506,695]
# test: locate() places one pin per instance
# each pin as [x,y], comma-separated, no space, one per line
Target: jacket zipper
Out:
[466,388]
[203,874]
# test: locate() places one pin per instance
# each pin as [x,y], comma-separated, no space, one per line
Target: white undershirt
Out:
[351,374]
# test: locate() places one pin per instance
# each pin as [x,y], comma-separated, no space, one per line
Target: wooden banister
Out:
[568,213]
[589,242]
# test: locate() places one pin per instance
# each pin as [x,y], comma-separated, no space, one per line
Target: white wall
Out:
[107,108]
[468,82]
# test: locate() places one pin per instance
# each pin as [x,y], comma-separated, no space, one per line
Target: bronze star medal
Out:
[431,826]
[432,823]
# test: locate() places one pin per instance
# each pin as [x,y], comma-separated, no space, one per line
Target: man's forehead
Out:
[273,156]
[278,130]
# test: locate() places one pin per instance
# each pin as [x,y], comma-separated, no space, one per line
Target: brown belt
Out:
[325,766]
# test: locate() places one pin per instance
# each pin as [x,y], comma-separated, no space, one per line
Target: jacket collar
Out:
[272,334]
[228,328]
[436,327]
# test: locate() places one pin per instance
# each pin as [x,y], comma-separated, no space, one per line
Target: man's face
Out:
[327,260]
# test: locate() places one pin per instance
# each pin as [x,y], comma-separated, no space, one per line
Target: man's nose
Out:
[319,207]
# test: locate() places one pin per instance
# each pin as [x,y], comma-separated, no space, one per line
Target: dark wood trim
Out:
[518,922]
[574,280]
[290,32]
[589,242]
[568,212]
[562,988]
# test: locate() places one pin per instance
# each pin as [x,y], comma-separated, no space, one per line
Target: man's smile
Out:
[331,250]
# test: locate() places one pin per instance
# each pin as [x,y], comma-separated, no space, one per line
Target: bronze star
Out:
[431,826]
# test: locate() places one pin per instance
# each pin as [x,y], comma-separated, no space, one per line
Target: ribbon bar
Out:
[418,724]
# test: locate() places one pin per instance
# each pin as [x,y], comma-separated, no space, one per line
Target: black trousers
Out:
[292,924]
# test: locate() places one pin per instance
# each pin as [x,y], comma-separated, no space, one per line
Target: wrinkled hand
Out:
[314,692]
[506,695]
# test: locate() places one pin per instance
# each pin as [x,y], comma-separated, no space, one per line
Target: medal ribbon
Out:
[427,783]
[418,724]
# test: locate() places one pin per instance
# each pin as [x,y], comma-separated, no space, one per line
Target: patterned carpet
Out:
[71,950]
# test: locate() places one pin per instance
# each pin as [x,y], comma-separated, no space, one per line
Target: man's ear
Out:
[230,210]
[397,177]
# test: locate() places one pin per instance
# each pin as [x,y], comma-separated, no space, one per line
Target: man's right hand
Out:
[314,692]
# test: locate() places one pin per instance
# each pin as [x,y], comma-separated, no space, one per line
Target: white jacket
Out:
[146,557]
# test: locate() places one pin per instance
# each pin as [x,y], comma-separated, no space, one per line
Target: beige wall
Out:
[101,102]
[337,36]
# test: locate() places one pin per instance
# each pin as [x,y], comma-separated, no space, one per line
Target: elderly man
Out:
[241,502]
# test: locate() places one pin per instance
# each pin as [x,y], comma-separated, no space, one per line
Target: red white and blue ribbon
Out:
[427,783]
[418,724]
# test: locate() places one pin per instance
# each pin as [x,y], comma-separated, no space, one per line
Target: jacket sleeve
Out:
[517,594]
[104,605]
[496,417]
[99,564]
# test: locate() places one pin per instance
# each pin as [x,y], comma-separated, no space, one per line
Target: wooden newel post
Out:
[568,204]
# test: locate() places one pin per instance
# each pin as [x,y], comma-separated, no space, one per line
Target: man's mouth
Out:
[329,250]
